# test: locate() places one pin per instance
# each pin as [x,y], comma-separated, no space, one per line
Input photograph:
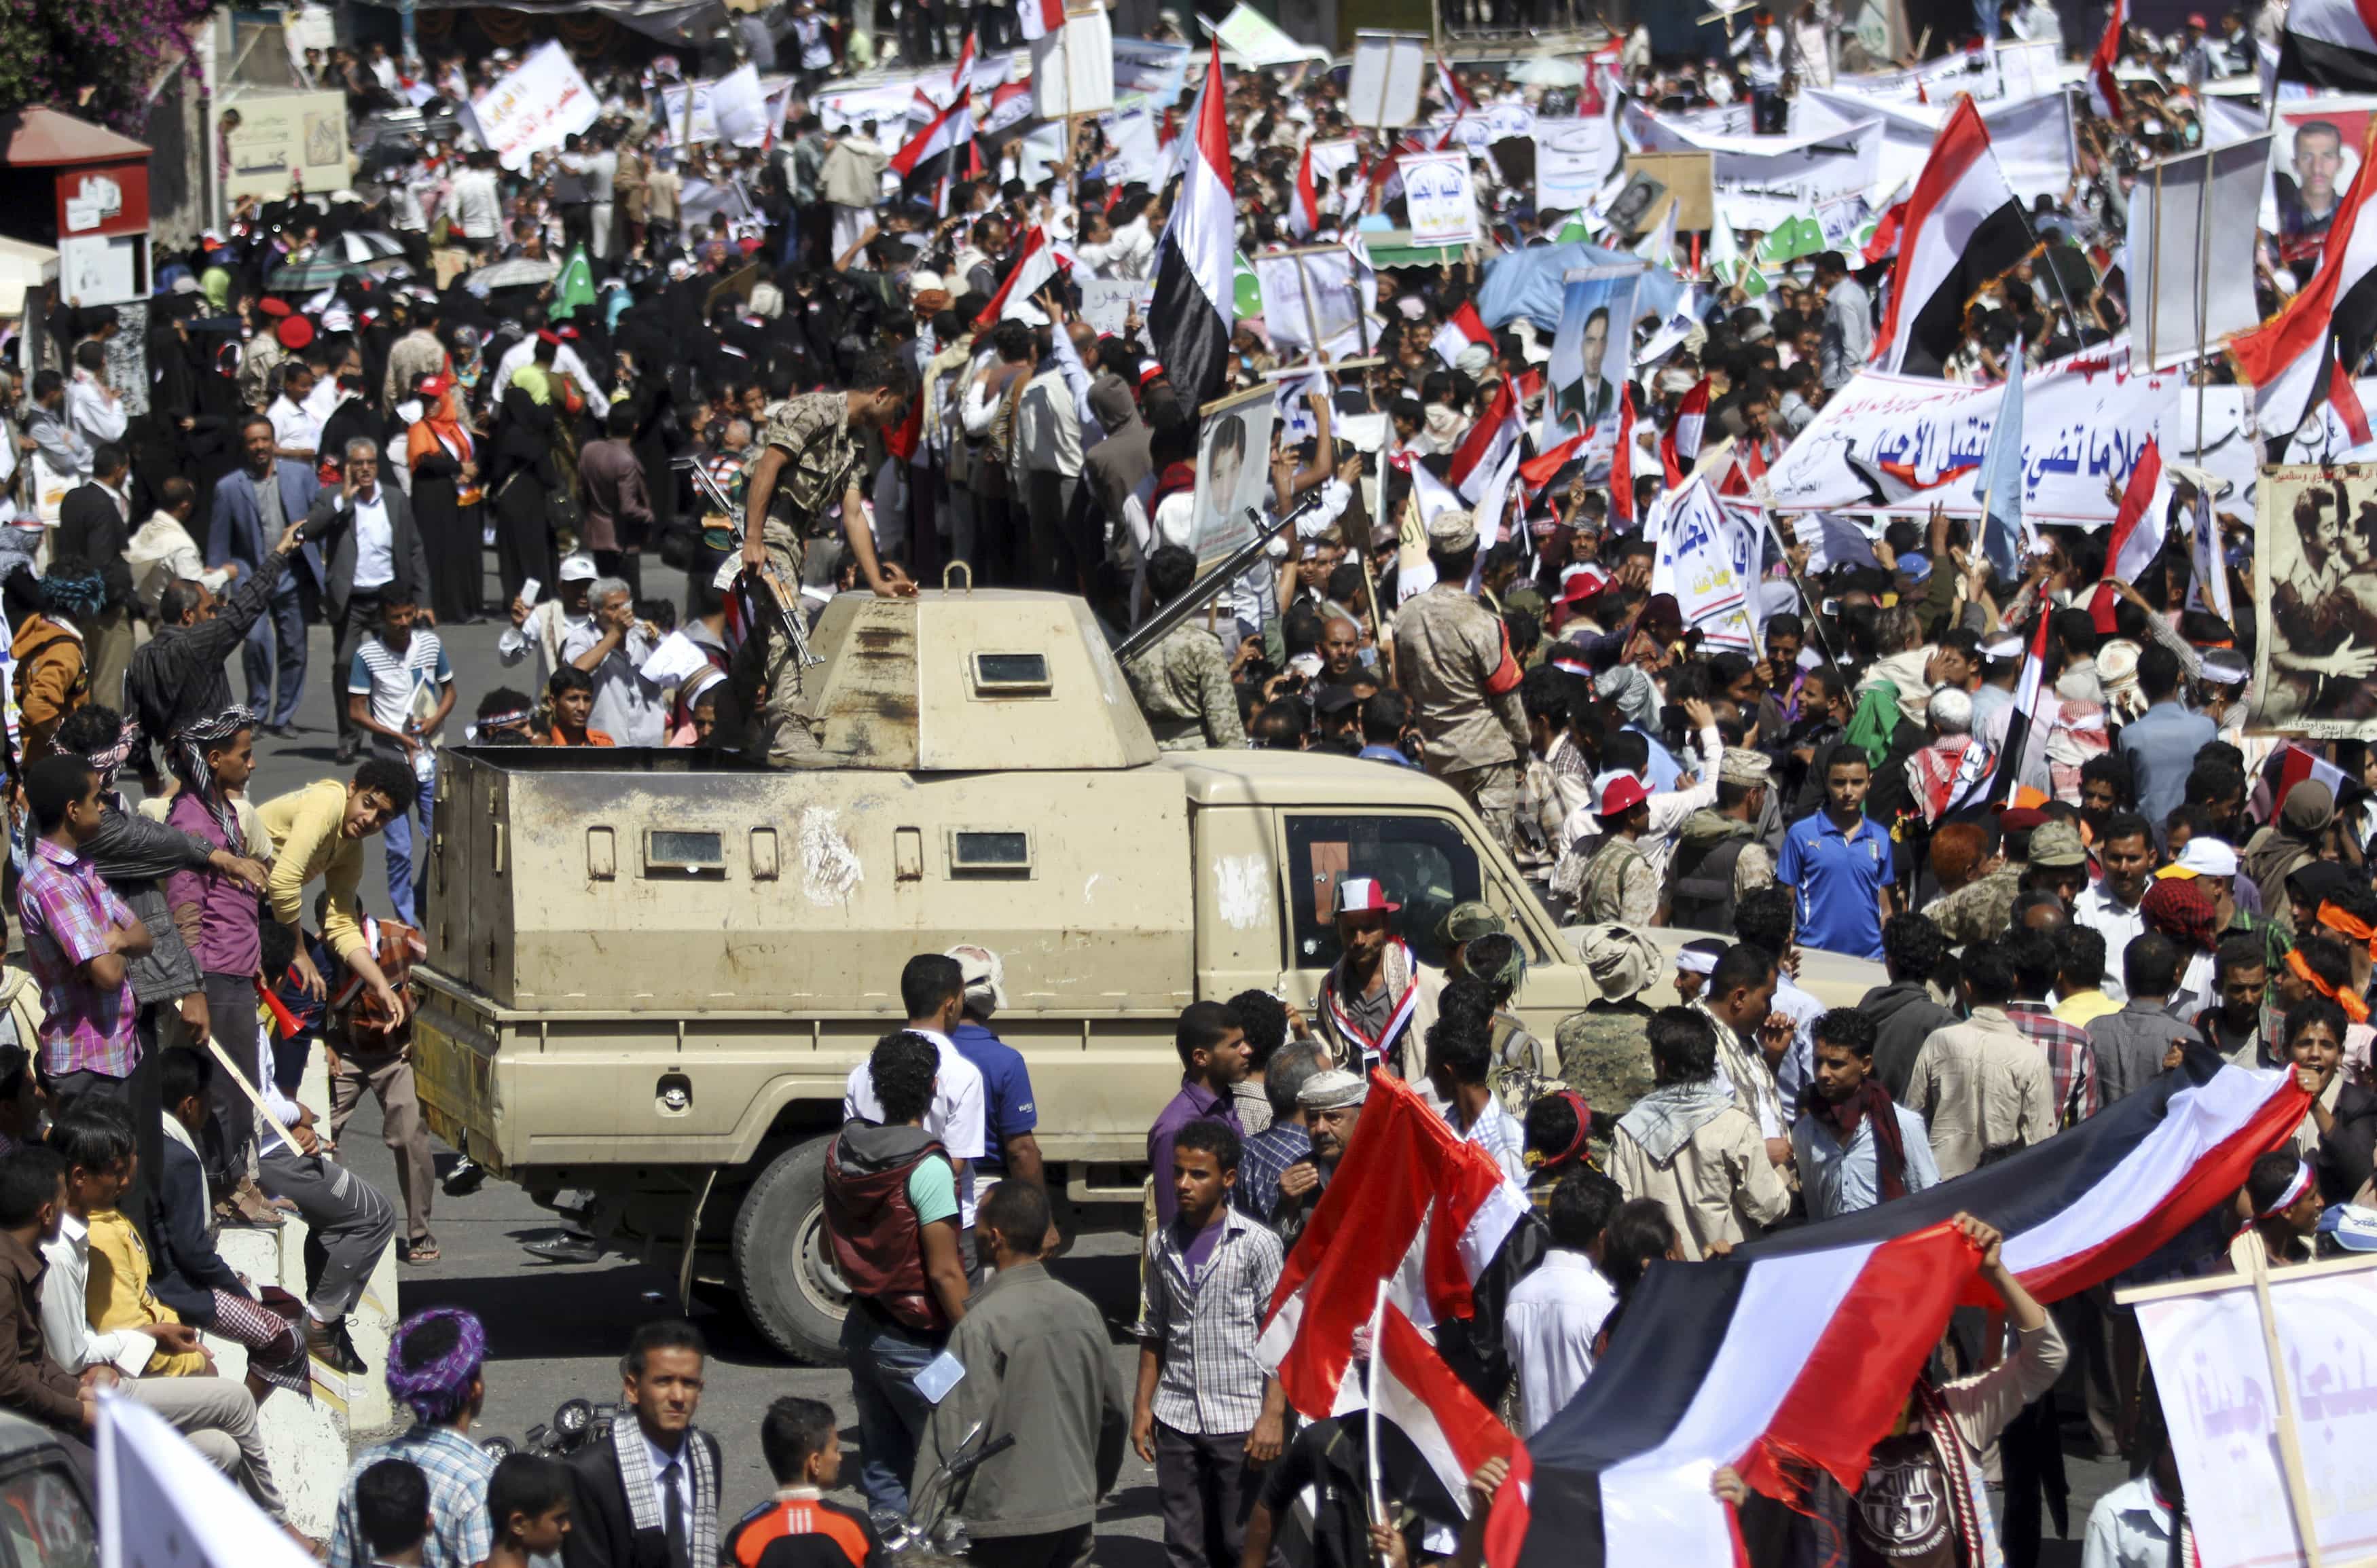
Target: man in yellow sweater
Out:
[319,831]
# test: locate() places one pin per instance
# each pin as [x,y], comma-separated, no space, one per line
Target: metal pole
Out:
[2153,273]
[2204,306]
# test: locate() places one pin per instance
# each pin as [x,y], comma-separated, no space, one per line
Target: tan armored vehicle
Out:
[650,971]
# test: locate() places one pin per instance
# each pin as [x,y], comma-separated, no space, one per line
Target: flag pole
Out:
[1370,1416]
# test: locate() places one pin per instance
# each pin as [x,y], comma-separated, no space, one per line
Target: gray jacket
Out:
[1038,1367]
[2130,1046]
[133,853]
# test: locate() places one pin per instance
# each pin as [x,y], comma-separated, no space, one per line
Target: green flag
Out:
[1246,292]
[1790,240]
[573,288]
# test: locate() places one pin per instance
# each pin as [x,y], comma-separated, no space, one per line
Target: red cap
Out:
[548,335]
[2023,818]
[271,306]
[434,386]
[294,331]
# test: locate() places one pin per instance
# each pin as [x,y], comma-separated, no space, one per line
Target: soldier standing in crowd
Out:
[1454,657]
[1183,683]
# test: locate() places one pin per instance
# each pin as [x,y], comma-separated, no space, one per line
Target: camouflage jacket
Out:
[1977,912]
[1457,667]
[1183,688]
[822,459]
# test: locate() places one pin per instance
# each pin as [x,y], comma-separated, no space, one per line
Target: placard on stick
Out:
[1688,178]
[1383,89]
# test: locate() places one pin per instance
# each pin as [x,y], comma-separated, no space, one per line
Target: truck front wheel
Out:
[783,1264]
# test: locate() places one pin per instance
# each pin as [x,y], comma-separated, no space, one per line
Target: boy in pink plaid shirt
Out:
[78,935]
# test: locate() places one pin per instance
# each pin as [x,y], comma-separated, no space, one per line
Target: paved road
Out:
[557,1330]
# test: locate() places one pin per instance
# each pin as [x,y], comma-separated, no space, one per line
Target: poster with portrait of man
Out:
[1591,356]
[2314,154]
[1233,472]
[2315,601]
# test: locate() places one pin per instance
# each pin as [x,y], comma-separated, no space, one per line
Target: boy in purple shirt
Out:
[1214,1057]
[78,934]
[216,915]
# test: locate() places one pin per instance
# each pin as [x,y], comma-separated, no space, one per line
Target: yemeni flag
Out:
[1010,104]
[2288,766]
[1679,443]
[1983,774]
[2345,399]
[1033,271]
[1414,1390]
[1040,17]
[574,289]
[1465,328]
[1304,213]
[2139,525]
[1800,1349]
[947,131]
[1409,1189]
[1197,256]
[2286,357]
[1621,461]
[2104,89]
[1964,226]
[1493,438]
[1544,466]
[2330,43]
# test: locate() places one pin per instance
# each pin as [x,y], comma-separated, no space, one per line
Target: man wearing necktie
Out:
[649,1497]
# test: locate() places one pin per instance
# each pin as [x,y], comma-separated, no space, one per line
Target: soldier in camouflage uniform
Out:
[261,355]
[810,462]
[1454,659]
[1183,683]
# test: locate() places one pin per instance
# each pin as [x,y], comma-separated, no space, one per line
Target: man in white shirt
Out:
[296,430]
[549,622]
[2110,905]
[1555,1313]
[93,406]
[932,988]
[91,1150]
[478,205]
[565,362]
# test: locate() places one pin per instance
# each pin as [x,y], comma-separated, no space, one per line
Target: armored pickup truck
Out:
[651,971]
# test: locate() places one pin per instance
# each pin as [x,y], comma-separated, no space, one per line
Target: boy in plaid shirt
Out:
[78,935]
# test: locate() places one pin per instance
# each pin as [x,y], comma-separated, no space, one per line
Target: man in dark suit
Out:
[649,1497]
[369,542]
[253,505]
[94,524]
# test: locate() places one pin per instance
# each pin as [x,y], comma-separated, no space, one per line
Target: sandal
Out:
[423,1250]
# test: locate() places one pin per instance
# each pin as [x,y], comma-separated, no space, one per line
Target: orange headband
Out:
[2354,1007]
[2343,922]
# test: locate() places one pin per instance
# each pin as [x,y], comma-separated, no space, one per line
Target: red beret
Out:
[271,306]
[294,331]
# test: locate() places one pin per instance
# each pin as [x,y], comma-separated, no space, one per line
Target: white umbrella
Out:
[1544,71]
[361,245]
[520,272]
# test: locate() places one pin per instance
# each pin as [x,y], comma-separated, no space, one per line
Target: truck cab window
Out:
[1427,864]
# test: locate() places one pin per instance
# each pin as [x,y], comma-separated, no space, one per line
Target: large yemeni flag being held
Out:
[1412,1387]
[1196,259]
[1489,440]
[2285,358]
[1964,226]
[2139,526]
[1679,443]
[2104,88]
[2330,43]
[1800,1349]
[1412,1202]
[943,134]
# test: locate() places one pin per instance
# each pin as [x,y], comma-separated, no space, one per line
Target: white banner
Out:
[2190,267]
[2213,1367]
[162,1505]
[536,107]
[1133,152]
[703,124]
[1902,444]
[1439,195]
[2032,139]
[1311,303]
[2028,68]
[886,104]
[1573,159]
[1481,128]
[1708,559]
[1106,302]
[739,108]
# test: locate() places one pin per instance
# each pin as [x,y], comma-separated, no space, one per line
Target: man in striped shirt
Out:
[2070,1059]
[399,689]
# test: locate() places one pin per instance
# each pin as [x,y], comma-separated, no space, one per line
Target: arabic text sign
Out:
[1899,443]
[1481,128]
[1106,302]
[534,108]
[1708,559]
[1443,204]
[1573,162]
[2212,1368]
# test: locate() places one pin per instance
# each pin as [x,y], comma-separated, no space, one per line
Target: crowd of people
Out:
[675,388]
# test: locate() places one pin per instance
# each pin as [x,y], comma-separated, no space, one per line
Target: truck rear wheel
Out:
[783,1264]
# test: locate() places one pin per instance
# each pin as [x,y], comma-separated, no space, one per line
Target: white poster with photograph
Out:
[1440,195]
[1480,129]
[1233,473]
[2315,602]
[285,134]
[2212,1366]
[536,108]
[1591,360]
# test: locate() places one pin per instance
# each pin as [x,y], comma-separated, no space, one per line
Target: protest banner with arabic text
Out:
[536,107]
